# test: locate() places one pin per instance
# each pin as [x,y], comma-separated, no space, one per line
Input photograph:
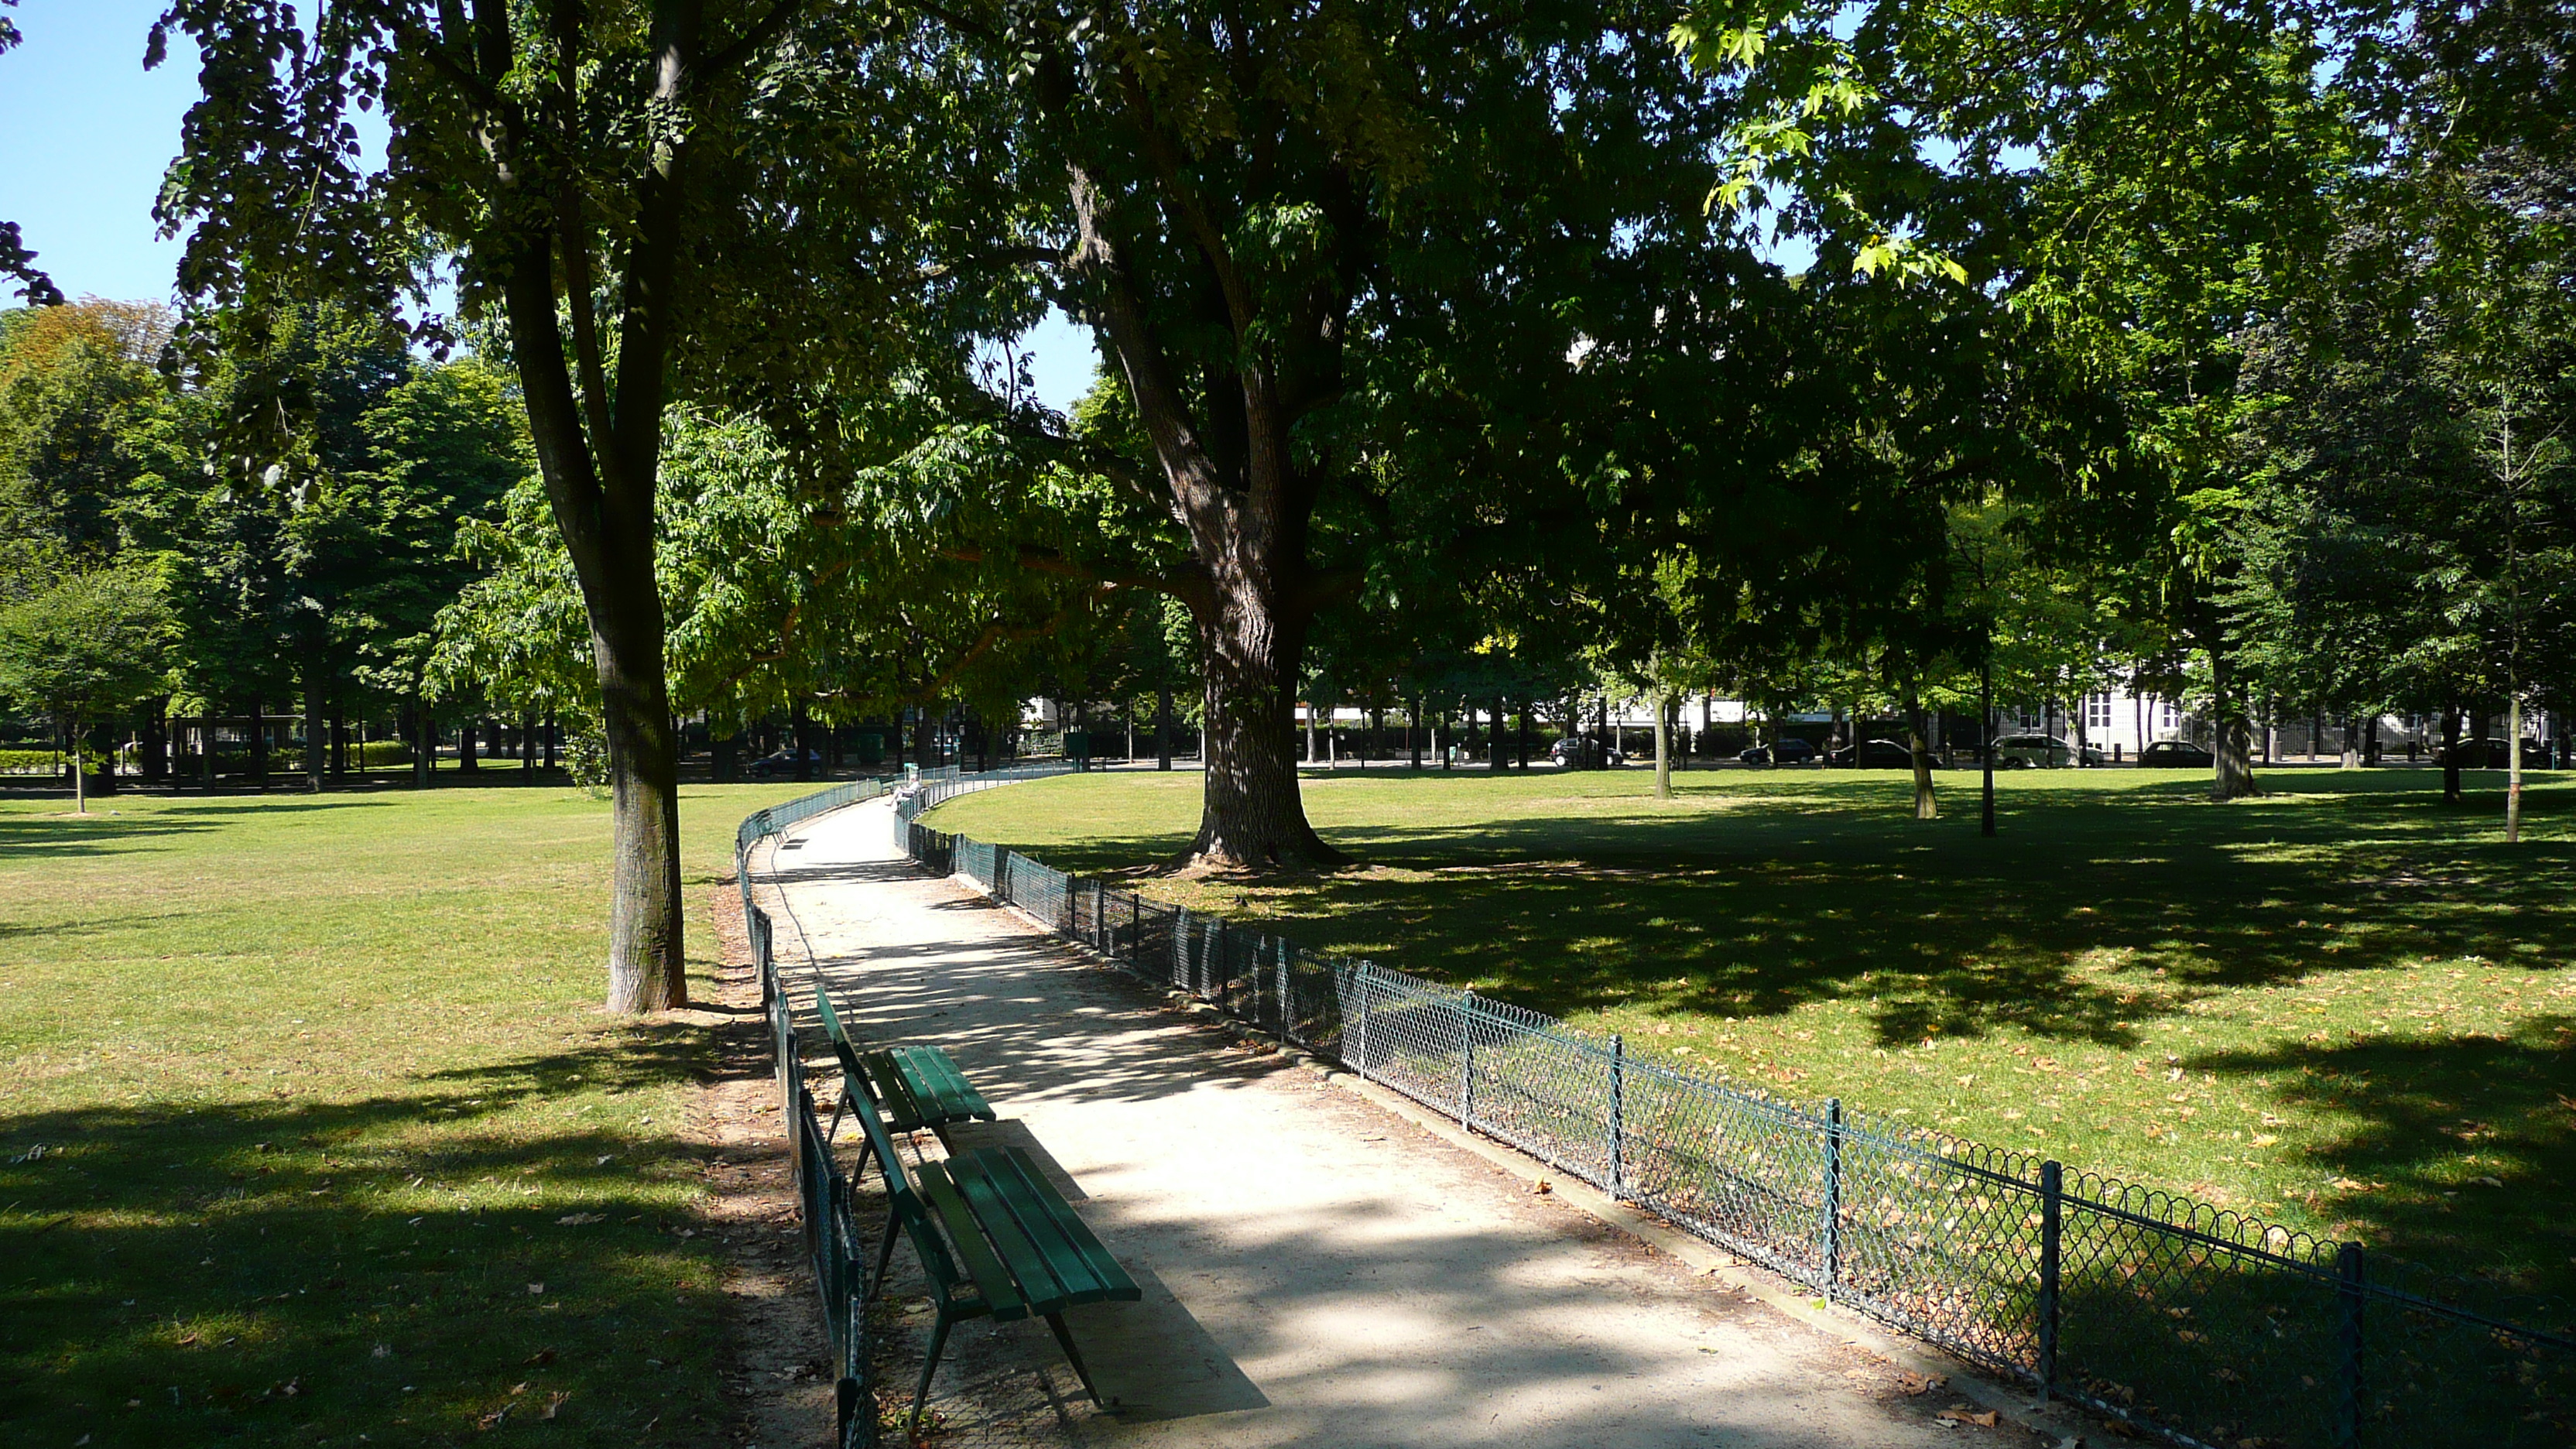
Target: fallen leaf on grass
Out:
[536,1289]
[1960,1414]
[542,1357]
[554,1401]
[577,1220]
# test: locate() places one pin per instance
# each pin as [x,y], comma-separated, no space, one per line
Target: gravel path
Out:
[1317,1271]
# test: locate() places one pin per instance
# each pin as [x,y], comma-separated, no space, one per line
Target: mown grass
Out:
[314,1134]
[2344,1006]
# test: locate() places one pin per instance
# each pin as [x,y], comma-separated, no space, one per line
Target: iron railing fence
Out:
[2207,1327]
[834,1247]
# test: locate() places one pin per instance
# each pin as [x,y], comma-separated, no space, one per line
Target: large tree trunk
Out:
[2232,775]
[1251,815]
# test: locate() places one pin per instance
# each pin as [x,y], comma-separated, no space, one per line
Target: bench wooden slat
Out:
[886,1084]
[1021,1180]
[1000,1290]
[1024,1248]
[935,1073]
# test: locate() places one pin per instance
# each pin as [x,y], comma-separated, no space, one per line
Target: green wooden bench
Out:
[996,1241]
[914,1087]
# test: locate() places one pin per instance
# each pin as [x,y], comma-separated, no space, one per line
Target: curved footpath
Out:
[1317,1271]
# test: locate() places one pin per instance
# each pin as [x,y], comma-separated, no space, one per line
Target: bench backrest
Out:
[839,1034]
[906,1199]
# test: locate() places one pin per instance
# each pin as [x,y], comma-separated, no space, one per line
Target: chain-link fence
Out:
[2203,1326]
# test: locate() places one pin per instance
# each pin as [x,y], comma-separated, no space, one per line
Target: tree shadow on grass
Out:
[399,1265]
[28,837]
[2456,1151]
[2091,913]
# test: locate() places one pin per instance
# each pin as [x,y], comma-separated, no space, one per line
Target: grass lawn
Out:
[2342,1007]
[313,1132]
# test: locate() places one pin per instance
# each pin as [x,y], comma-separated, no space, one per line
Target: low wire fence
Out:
[2202,1326]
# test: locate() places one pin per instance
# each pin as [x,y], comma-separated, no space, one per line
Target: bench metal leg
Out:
[1073,1356]
[885,1251]
[921,1396]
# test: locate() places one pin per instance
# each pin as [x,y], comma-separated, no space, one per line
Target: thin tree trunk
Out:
[1986,735]
[258,744]
[1663,749]
[156,740]
[1163,729]
[1497,758]
[317,739]
[2513,769]
[1412,733]
[72,735]
[2451,754]
[424,758]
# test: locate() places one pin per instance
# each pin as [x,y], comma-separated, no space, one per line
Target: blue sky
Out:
[90,133]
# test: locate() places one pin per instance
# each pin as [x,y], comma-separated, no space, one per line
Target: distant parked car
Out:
[1873,755]
[1591,752]
[2493,755]
[2175,755]
[1787,751]
[2044,752]
[783,763]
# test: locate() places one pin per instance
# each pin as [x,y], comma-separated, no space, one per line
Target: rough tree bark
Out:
[1917,744]
[1663,749]
[1231,479]
[2232,775]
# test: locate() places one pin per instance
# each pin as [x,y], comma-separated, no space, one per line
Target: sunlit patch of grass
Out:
[312,1127]
[2344,1005]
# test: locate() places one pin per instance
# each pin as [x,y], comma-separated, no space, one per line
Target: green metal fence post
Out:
[1360,985]
[2051,1197]
[2349,1297]
[1833,1195]
[1281,951]
[1467,1059]
[1618,1113]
